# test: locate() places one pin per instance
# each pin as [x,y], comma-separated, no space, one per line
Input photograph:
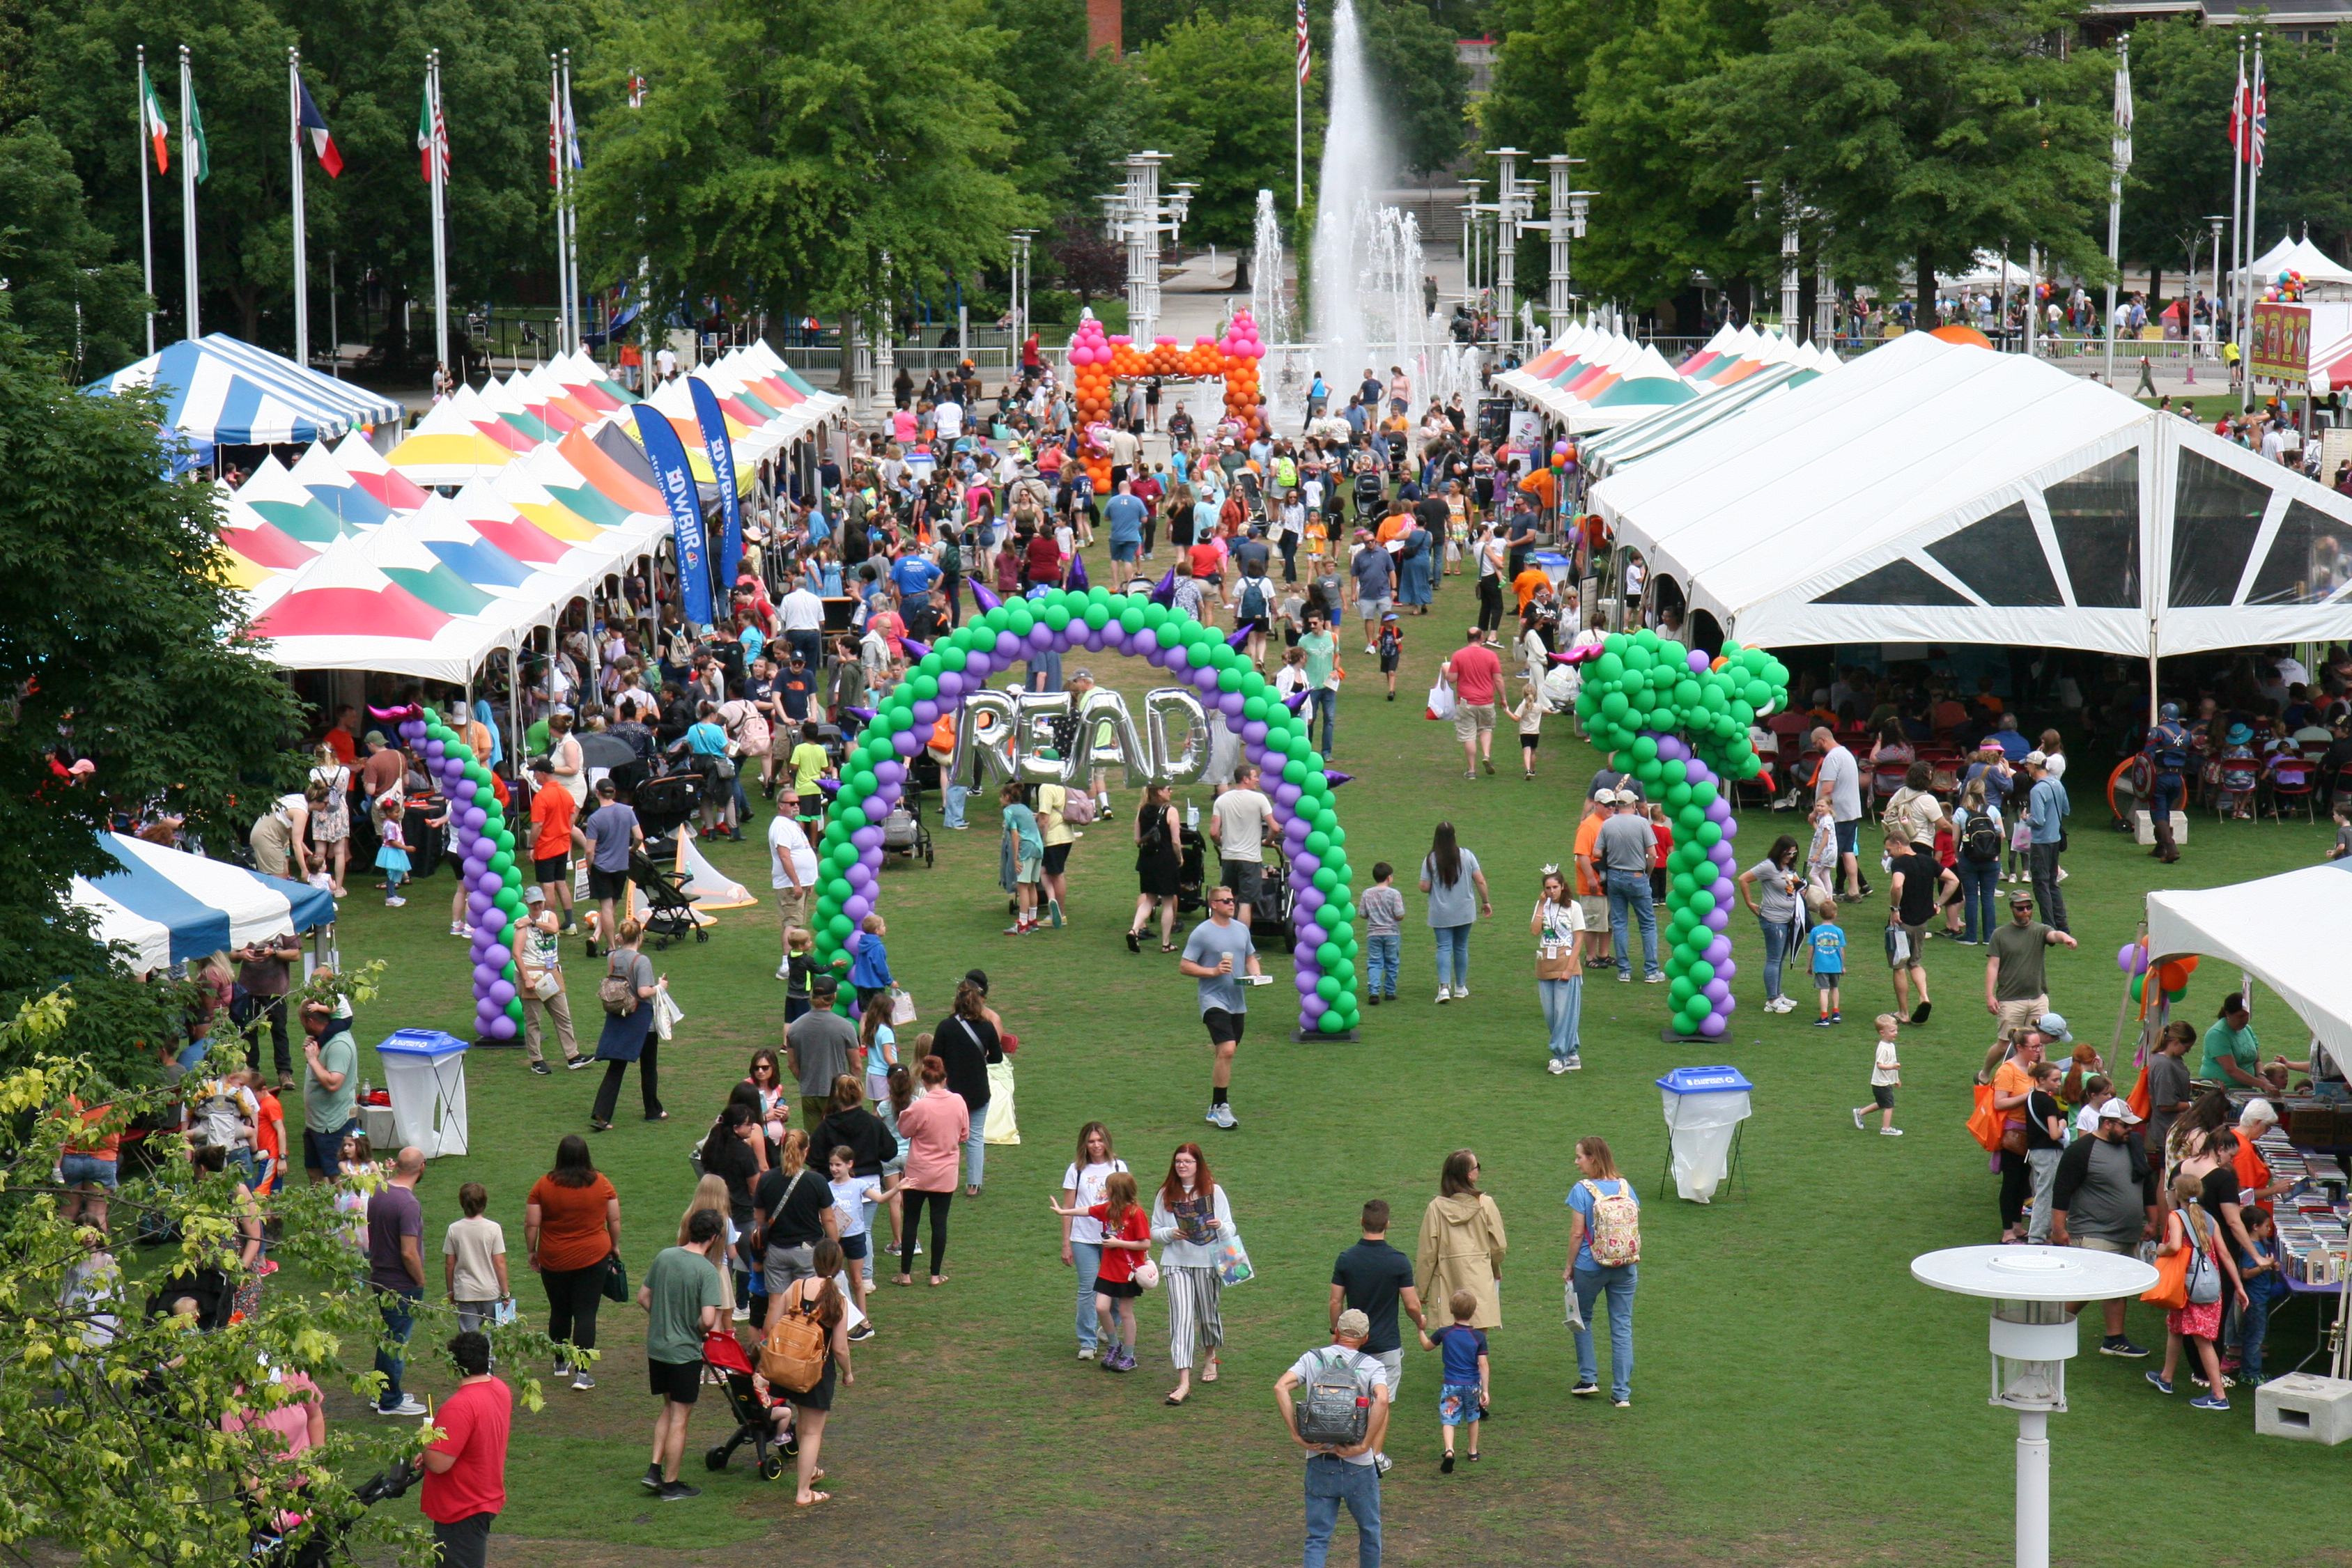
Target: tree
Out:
[786,148]
[111,1429]
[118,634]
[1071,136]
[1223,87]
[1087,264]
[1422,83]
[63,290]
[1923,130]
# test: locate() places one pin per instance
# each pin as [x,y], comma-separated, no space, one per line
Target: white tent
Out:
[2285,931]
[1933,492]
[2297,256]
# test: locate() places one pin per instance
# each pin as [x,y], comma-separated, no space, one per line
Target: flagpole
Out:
[555,180]
[2115,196]
[146,211]
[188,187]
[301,255]
[2256,111]
[2238,105]
[440,239]
[571,211]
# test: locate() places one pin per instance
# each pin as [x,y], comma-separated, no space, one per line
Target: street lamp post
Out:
[2213,316]
[2034,1292]
[1139,217]
[1513,208]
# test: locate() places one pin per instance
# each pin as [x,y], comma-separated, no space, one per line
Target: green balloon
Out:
[1254,710]
[1317,843]
[1645,749]
[1328,989]
[1332,1023]
[1130,620]
[1647,772]
[502,863]
[1328,956]
[1680,991]
[1097,616]
[1684,884]
[841,926]
[1703,902]
[837,890]
[1701,972]
[1710,834]
[1689,817]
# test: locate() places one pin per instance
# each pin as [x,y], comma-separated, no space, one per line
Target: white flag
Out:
[2123,143]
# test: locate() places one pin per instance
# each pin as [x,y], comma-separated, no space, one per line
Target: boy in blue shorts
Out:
[1464,1386]
[1826,952]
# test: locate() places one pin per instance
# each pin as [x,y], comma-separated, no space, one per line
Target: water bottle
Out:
[1192,814]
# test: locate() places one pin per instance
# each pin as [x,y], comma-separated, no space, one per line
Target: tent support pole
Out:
[514,701]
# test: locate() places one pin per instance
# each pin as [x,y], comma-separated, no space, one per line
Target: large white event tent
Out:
[1934,492]
[2285,931]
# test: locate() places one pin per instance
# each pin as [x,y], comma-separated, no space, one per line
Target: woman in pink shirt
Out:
[933,1128]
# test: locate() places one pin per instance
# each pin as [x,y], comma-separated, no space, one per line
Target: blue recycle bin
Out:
[1704,1107]
[424,1072]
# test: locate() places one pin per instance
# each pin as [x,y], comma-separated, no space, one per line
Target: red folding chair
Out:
[1886,778]
[2291,779]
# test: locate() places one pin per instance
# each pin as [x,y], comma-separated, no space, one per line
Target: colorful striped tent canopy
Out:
[216,389]
[167,905]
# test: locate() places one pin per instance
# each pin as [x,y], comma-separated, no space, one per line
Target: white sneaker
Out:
[456,928]
[1858,1115]
[1445,994]
[1555,1066]
[409,1406]
[1890,1132]
[1461,993]
[1085,1352]
[400,903]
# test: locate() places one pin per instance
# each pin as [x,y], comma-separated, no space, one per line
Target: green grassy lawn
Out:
[1797,1398]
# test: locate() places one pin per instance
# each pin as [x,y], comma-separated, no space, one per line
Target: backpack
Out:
[1334,1407]
[617,992]
[1078,808]
[1616,1237]
[1981,840]
[793,1356]
[1155,837]
[1253,598]
[2204,1279]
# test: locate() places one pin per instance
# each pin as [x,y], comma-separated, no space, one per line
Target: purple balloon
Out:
[907,742]
[1230,704]
[1313,934]
[889,772]
[1286,795]
[1307,861]
[1297,828]
[1716,918]
[1313,1006]
[1040,634]
[465,789]
[474,817]
[1716,992]
[1717,950]
[983,596]
[915,649]
[1306,976]
[1008,647]
[976,667]
[927,712]
[874,808]
[484,1011]
[502,991]
[494,920]
[1699,663]
[950,685]
[1727,970]
[433,749]
[502,1027]
[476,903]
[1253,733]
[1241,635]
[1144,643]
[484,974]
[1730,828]
[867,838]
[858,907]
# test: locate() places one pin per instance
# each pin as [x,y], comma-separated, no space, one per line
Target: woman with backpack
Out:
[1604,1254]
[1462,1243]
[812,1302]
[627,992]
[1159,868]
[1977,824]
[2211,1273]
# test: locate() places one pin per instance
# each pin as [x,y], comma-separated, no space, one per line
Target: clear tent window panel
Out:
[2217,514]
[2096,516]
[1999,558]
[2308,560]
[1896,582]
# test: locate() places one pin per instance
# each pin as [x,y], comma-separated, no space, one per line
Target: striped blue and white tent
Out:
[219,391]
[170,906]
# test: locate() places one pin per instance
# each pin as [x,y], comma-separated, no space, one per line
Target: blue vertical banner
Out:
[723,468]
[667,454]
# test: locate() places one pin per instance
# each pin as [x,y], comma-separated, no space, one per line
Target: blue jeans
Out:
[1563,1010]
[1780,940]
[1453,944]
[399,1310]
[956,794]
[1590,1282]
[2165,798]
[1632,888]
[2049,903]
[975,1148]
[2254,1323]
[1980,888]
[1328,701]
[1329,1483]
[1382,953]
[1085,1256]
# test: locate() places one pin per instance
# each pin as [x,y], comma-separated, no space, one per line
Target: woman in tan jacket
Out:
[1462,1243]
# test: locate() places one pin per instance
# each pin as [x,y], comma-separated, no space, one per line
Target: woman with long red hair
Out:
[1192,1222]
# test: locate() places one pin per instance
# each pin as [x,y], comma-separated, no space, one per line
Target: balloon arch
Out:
[874,773]
[1098,360]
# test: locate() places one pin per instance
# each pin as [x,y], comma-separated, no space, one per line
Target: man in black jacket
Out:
[2104,1200]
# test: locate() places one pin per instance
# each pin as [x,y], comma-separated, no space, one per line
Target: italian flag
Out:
[151,121]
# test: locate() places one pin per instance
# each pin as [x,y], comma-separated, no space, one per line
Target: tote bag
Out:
[1985,1122]
[1441,702]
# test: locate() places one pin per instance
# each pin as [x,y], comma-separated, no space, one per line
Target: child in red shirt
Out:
[1127,1237]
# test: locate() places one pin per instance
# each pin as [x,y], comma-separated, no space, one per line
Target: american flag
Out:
[1305,65]
[637,90]
[432,133]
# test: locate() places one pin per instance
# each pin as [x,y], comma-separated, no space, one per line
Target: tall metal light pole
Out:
[2213,315]
[885,351]
[1139,216]
[1566,223]
[1511,210]
[1791,271]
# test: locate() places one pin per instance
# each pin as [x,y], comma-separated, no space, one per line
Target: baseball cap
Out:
[2055,1026]
[542,765]
[531,894]
[1627,798]
[2035,759]
[373,738]
[1352,1325]
[83,766]
[2116,1110]
[2020,896]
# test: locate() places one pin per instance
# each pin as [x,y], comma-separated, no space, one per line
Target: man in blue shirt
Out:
[2046,807]
[2012,745]
[1125,514]
[916,575]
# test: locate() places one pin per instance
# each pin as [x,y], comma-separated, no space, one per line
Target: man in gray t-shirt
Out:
[1217,954]
[1622,854]
[2103,1199]
[819,1045]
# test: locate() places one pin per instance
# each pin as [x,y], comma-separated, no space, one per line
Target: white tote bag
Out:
[1441,702]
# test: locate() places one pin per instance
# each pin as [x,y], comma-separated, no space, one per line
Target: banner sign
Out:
[667,454]
[2282,342]
[722,467]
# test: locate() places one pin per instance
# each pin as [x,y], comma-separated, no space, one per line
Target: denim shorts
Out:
[1457,1404]
[85,1170]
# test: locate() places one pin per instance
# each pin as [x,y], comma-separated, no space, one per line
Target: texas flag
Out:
[314,126]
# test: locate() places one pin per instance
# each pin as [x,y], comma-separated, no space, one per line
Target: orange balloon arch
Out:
[1098,360]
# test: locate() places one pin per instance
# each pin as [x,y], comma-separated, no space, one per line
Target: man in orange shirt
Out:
[340,740]
[1589,890]
[552,812]
[1532,581]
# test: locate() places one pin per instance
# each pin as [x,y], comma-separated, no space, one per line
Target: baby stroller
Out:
[669,912]
[663,804]
[903,832]
[1191,870]
[723,1353]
